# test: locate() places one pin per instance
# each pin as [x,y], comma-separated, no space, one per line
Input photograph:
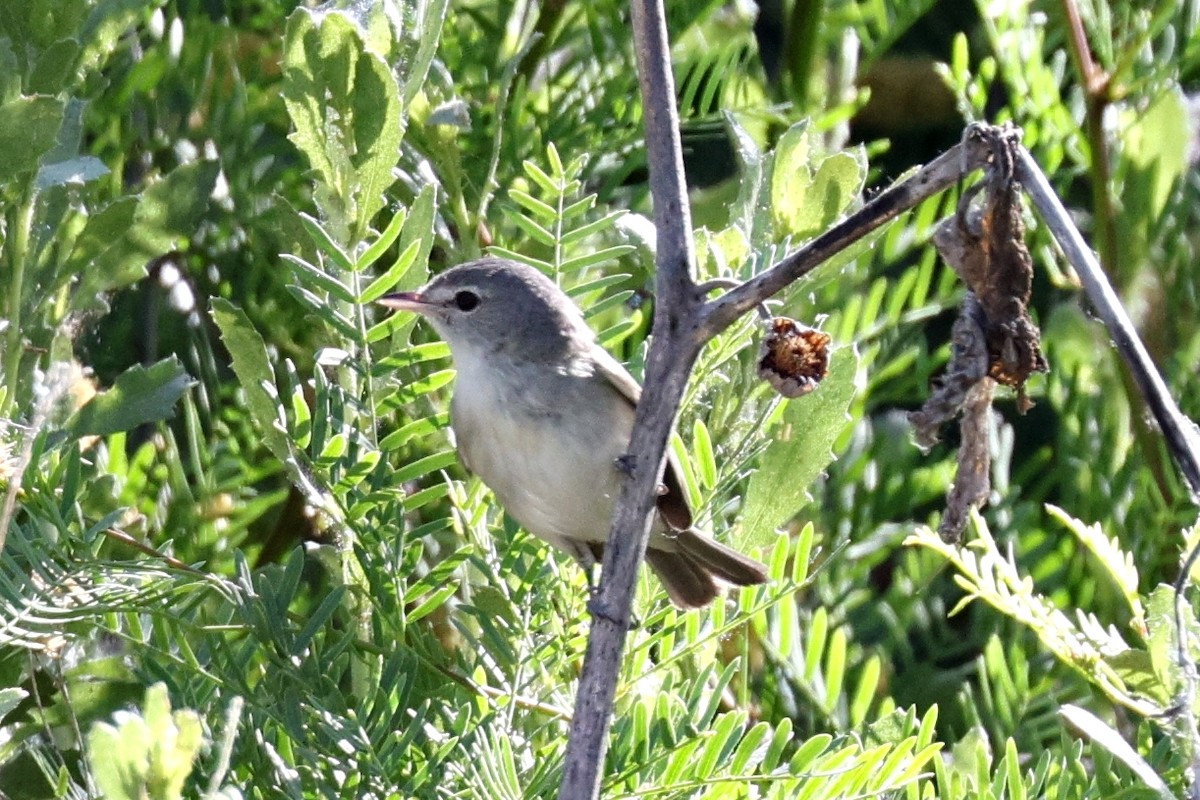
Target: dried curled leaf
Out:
[968,366]
[986,247]
[973,478]
[994,339]
[793,358]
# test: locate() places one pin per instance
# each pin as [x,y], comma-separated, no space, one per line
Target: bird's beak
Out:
[406,301]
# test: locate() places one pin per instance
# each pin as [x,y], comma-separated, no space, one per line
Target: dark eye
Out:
[466,300]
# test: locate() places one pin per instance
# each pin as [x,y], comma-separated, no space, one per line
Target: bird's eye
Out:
[466,300]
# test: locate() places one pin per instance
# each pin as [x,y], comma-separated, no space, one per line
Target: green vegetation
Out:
[228,488]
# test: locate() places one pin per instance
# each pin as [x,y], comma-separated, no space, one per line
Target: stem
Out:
[673,350]
[1097,92]
[1096,85]
[1180,433]
[18,257]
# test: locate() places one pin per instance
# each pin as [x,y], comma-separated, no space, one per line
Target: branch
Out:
[937,176]
[669,362]
[1181,435]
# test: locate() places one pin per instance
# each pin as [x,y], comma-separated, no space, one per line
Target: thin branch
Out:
[1181,434]
[669,362]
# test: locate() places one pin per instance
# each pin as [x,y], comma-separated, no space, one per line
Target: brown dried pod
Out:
[793,358]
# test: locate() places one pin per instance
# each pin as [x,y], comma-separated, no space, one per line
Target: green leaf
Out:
[325,242]
[119,241]
[809,193]
[382,242]
[595,258]
[418,231]
[345,105]
[313,277]
[533,205]
[384,283]
[1157,145]
[75,171]
[706,462]
[138,396]
[593,227]
[1103,735]
[430,27]
[252,366]
[148,755]
[1162,649]
[799,451]
[28,129]
[54,68]
[10,698]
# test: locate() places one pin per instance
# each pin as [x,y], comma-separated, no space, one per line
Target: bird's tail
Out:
[690,573]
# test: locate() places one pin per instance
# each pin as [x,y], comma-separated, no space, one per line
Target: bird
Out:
[543,415]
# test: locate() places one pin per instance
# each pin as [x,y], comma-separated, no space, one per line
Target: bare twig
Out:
[672,353]
[937,176]
[1180,433]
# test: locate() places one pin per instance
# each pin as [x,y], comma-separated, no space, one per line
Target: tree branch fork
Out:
[685,321]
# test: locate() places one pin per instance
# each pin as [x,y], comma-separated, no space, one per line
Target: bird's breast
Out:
[545,442]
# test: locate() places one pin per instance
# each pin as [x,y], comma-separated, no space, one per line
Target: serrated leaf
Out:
[252,366]
[139,395]
[346,108]
[119,241]
[800,449]
[809,193]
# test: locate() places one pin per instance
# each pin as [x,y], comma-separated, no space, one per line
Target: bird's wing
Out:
[672,504]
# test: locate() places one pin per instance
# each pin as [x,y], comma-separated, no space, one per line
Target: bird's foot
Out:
[601,610]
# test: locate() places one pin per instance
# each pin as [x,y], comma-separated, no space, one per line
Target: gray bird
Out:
[542,414]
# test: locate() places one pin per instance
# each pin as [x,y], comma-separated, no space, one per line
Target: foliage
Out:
[229,490]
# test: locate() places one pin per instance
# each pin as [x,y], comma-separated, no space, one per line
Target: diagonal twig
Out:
[1180,433]
[937,176]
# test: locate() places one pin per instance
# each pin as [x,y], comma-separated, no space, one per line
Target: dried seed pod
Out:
[793,358]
